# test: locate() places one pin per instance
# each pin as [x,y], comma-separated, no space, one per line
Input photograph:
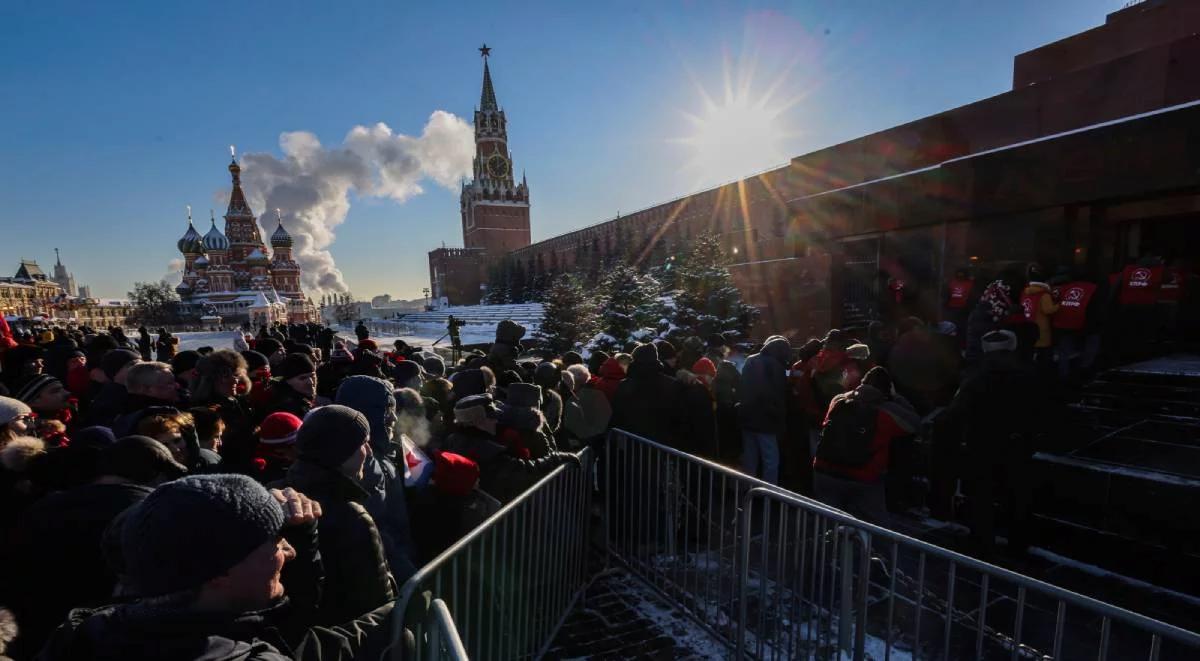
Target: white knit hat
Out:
[11,408]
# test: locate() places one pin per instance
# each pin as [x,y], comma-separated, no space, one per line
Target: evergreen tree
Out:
[498,291]
[631,303]
[706,301]
[569,314]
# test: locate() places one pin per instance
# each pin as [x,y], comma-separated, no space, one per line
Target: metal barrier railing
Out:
[776,575]
[672,519]
[444,641]
[512,580]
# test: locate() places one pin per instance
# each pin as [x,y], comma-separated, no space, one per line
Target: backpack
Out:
[846,437]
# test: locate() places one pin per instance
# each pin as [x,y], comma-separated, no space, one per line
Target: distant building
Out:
[85,291]
[233,274]
[95,312]
[29,293]
[62,277]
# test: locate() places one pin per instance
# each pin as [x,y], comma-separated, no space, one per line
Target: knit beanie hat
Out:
[645,353]
[32,387]
[704,367]
[187,360]
[406,371]
[547,375]
[999,340]
[279,428]
[295,364]
[114,360]
[100,345]
[525,395]
[435,366]
[340,354]
[572,358]
[11,408]
[138,458]
[192,530]
[330,434]
[597,360]
[858,351]
[93,437]
[454,474]
[255,361]
[267,346]
[467,383]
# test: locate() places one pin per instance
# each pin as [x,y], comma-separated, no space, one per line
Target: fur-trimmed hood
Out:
[20,453]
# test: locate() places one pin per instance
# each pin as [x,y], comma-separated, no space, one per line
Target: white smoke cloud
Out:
[174,274]
[311,183]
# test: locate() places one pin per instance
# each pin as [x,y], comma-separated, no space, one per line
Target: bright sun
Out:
[737,135]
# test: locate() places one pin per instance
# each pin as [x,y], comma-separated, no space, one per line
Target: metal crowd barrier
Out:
[672,519]
[775,575]
[444,641]
[512,580]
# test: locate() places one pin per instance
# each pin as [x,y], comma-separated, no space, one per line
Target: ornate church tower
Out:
[495,209]
[242,230]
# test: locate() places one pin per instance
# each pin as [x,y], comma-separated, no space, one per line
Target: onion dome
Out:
[256,256]
[201,262]
[190,242]
[280,237]
[183,287]
[215,240]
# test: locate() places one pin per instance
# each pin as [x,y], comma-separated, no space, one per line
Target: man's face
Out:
[76,362]
[164,387]
[254,583]
[228,385]
[34,366]
[353,466]
[305,384]
[52,399]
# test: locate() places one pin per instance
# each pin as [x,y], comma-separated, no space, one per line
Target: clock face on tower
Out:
[497,166]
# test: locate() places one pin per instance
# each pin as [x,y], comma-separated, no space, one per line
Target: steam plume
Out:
[311,182]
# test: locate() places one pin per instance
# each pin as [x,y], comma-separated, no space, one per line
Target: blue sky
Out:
[116,115]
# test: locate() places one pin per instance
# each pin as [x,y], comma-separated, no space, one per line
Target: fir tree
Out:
[631,303]
[706,301]
[569,314]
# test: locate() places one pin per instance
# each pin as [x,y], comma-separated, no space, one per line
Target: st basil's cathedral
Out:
[232,274]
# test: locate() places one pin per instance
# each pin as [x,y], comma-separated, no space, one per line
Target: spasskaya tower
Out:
[495,208]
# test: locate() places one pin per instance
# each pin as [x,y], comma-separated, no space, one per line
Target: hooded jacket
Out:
[764,388]
[382,480]
[611,375]
[647,402]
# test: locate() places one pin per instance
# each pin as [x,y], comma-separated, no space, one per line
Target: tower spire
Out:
[57,258]
[237,199]
[487,99]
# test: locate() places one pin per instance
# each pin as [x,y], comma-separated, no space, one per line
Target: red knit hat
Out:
[454,474]
[704,367]
[279,429]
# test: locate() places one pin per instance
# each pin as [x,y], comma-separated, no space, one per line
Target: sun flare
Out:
[737,134]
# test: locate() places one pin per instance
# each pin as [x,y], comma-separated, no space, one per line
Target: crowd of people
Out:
[266,500]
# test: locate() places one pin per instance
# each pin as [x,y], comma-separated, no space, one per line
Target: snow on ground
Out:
[214,339]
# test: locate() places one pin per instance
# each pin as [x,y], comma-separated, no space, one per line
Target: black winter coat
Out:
[62,566]
[107,405]
[647,403]
[501,475]
[134,632]
[286,399]
[764,390]
[356,568]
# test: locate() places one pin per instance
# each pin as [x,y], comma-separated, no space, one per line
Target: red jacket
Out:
[894,419]
[1139,285]
[611,375]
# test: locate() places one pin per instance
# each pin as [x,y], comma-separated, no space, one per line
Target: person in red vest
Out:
[960,298]
[1077,323]
[1137,296]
